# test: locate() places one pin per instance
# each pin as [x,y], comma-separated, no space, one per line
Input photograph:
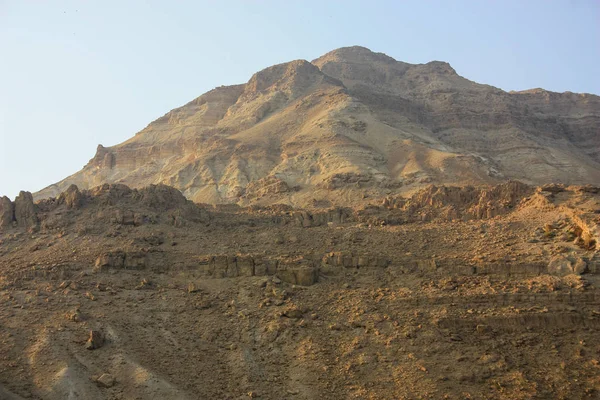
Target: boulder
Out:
[106,381]
[192,288]
[95,341]
[560,266]
[25,213]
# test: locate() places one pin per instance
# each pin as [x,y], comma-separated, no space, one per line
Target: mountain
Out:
[350,125]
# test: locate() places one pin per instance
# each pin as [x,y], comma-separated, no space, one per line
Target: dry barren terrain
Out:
[489,292]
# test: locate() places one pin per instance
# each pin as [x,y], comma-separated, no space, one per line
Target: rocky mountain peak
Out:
[353,54]
[440,67]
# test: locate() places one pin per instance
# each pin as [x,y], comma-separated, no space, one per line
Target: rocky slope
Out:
[449,293]
[353,124]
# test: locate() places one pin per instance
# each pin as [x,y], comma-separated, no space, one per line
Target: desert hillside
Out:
[349,126]
[450,293]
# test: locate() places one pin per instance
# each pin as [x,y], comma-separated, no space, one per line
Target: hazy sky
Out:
[74,74]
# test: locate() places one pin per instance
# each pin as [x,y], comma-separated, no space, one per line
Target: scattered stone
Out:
[262,283]
[482,329]
[192,288]
[106,381]
[293,313]
[101,287]
[95,341]
[144,284]
[74,315]
[64,285]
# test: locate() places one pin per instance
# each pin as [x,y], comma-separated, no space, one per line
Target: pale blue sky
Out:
[77,73]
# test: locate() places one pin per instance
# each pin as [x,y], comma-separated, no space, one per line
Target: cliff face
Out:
[353,124]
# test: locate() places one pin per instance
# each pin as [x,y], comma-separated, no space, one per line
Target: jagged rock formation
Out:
[22,212]
[353,125]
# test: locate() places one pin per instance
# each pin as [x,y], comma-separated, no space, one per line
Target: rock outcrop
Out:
[7,212]
[453,202]
[25,210]
[120,205]
[72,197]
[22,212]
